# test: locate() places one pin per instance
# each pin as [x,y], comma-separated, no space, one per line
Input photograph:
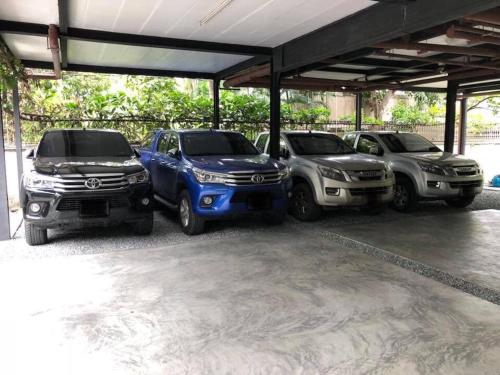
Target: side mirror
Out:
[174,153]
[31,154]
[137,153]
[284,153]
[376,150]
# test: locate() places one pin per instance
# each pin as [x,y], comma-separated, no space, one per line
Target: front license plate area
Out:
[259,201]
[94,208]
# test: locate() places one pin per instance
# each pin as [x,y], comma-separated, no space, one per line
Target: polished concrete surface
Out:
[270,302]
[464,244]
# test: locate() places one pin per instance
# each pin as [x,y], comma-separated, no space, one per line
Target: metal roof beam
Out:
[369,27]
[120,70]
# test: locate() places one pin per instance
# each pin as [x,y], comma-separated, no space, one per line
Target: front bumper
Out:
[441,187]
[354,194]
[63,210]
[231,201]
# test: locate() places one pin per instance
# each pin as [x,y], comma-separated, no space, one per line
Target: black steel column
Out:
[275,102]
[449,126]
[17,131]
[4,199]
[462,141]
[216,87]
[359,110]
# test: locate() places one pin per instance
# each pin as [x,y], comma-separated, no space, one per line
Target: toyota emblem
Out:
[257,179]
[93,183]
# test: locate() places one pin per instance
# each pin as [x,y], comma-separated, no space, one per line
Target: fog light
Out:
[207,200]
[434,184]
[145,201]
[332,191]
[35,208]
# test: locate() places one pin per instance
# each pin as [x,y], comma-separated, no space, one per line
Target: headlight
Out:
[138,178]
[431,168]
[38,181]
[206,177]
[284,173]
[332,173]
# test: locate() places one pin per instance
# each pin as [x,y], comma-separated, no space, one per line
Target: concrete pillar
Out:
[359,111]
[462,141]
[4,200]
[216,120]
[449,127]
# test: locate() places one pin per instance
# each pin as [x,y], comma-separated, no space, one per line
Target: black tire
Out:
[35,236]
[405,196]
[274,218]
[304,207]
[461,202]
[144,227]
[191,223]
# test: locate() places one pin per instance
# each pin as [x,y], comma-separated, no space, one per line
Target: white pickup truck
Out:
[327,173]
[422,170]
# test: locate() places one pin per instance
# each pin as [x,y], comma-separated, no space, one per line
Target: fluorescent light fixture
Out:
[221,5]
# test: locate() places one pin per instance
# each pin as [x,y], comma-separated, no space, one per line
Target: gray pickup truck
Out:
[423,171]
[327,173]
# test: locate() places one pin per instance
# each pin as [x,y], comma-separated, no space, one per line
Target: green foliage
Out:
[408,115]
[135,105]
[351,119]
[11,69]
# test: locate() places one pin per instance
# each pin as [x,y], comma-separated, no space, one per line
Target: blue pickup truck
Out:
[208,174]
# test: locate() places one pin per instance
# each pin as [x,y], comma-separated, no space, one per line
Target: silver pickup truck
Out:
[326,172]
[423,171]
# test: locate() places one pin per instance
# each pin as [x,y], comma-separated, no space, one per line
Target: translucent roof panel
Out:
[28,47]
[119,55]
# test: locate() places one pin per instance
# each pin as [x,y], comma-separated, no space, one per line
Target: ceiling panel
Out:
[118,55]
[28,47]
[36,11]
[257,22]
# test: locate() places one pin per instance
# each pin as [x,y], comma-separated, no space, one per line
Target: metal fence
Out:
[136,128]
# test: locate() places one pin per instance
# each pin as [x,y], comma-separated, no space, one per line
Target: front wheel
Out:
[405,196]
[191,223]
[460,202]
[304,207]
[35,236]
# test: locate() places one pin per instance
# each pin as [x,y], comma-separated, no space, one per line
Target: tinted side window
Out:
[147,142]
[173,142]
[162,145]
[350,139]
[366,142]
[261,142]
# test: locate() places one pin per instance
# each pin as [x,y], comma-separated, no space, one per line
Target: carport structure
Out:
[450,46]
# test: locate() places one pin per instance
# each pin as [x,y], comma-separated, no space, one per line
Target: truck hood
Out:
[224,164]
[438,158]
[62,166]
[348,162]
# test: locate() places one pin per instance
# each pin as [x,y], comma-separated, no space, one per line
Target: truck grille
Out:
[369,191]
[77,182]
[367,175]
[249,178]
[70,204]
[466,170]
[466,184]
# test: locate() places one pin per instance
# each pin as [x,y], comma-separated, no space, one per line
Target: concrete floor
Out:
[277,302]
[463,244]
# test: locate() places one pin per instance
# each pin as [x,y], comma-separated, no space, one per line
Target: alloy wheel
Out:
[184,212]
[400,196]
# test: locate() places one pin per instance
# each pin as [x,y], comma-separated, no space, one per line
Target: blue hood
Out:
[224,164]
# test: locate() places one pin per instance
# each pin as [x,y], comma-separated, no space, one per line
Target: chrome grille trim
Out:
[466,170]
[367,175]
[76,182]
[245,178]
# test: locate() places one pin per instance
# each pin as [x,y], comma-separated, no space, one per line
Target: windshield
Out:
[83,143]
[216,143]
[406,142]
[318,144]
